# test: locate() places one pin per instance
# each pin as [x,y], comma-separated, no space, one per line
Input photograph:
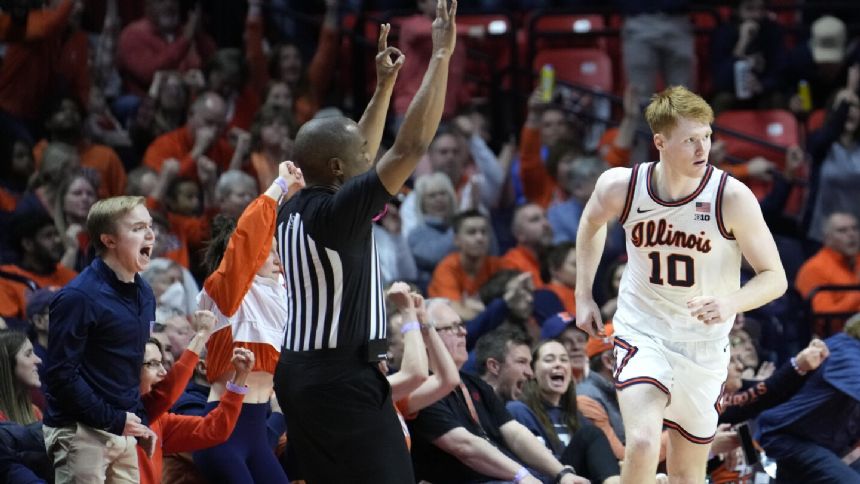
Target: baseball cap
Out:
[553,326]
[39,300]
[827,41]
[597,345]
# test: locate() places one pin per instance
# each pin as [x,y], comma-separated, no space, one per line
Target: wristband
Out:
[563,472]
[283,184]
[410,326]
[241,390]
[521,474]
[796,368]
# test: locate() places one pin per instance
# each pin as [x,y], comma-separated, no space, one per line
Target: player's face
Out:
[686,147]
[515,371]
[552,369]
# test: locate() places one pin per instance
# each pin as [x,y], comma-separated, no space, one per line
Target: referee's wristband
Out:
[410,326]
[520,475]
[241,390]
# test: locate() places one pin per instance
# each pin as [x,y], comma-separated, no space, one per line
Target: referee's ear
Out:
[335,165]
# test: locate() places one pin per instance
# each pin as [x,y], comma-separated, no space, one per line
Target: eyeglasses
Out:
[454,328]
[153,364]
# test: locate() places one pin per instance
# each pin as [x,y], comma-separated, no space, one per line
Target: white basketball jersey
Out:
[676,251]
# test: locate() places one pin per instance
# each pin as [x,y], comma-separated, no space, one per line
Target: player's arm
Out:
[605,204]
[425,110]
[743,219]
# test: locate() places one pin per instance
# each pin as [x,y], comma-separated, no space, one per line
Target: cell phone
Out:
[751,455]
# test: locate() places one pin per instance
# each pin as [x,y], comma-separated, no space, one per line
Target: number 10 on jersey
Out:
[672,263]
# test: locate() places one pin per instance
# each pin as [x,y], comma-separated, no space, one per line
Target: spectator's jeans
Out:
[808,463]
[82,454]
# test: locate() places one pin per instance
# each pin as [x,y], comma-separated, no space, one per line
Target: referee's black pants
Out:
[341,422]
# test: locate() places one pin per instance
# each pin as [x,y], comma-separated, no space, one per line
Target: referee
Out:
[338,407]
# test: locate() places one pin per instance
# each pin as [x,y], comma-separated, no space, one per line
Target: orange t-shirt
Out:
[101,158]
[13,294]
[178,144]
[829,267]
[565,295]
[452,282]
[524,260]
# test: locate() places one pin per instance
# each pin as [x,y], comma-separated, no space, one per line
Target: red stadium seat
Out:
[571,24]
[776,126]
[816,120]
[588,67]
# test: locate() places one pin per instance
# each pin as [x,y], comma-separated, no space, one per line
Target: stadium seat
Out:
[816,120]
[591,68]
[776,127]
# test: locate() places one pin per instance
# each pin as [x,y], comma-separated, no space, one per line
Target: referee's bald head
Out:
[330,150]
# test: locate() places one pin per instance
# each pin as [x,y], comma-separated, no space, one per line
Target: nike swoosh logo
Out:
[639,210]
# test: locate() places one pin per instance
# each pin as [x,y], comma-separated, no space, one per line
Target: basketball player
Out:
[687,226]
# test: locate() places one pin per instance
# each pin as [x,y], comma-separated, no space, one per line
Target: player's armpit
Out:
[610,194]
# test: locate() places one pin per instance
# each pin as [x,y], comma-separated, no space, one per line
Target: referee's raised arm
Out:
[422,118]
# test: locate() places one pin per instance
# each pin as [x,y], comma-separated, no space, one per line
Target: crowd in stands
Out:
[151,99]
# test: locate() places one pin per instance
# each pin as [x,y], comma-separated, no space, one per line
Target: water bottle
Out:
[743,69]
[805,96]
[547,82]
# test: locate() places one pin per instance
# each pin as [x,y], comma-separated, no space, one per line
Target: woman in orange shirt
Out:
[250,303]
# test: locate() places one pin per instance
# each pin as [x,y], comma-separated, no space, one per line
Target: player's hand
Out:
[811,357]
[389,60]
[588,317]
[709,309]
[445,28]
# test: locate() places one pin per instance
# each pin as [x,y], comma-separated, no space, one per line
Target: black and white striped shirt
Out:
[334,286]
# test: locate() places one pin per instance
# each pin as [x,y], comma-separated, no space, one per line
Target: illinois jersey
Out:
[676,250]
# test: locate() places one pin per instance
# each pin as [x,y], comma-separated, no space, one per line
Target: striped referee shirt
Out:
[334,285]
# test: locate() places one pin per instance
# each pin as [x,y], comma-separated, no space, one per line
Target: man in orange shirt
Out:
[546,126]
[533,233]
[460,274]
[199,144]
[41,248]
[835,264]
